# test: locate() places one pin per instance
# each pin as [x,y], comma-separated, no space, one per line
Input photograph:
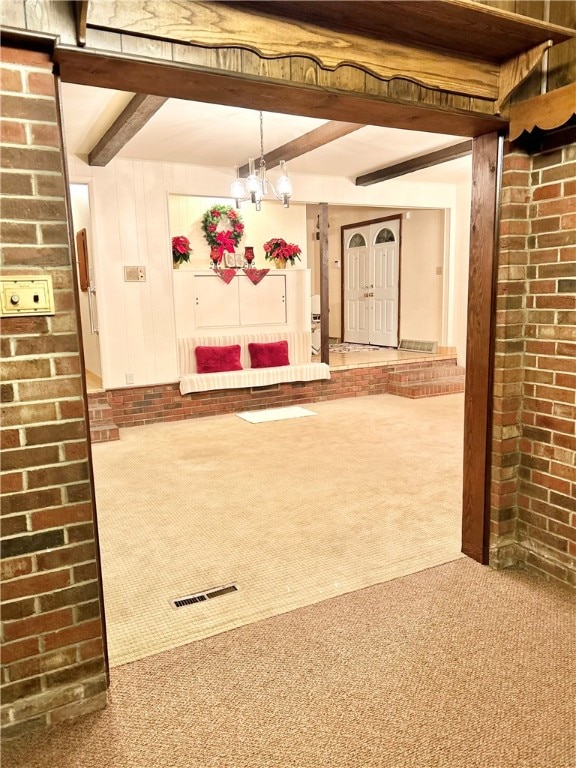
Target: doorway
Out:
[485,432]
[86,277]
[371,258]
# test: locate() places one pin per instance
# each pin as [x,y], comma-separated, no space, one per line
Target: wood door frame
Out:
[342,260]
[128,72]
[487,155]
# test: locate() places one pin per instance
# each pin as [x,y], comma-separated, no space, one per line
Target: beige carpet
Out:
[293,511]
[454,667]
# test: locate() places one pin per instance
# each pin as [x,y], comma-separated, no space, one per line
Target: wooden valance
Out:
[547,111]
[455,46]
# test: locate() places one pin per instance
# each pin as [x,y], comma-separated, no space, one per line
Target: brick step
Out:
[430,373]
[103,433]
[430,388]
[97,397]
[102,426]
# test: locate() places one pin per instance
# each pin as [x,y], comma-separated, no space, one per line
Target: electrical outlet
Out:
[142,274]
[129,378]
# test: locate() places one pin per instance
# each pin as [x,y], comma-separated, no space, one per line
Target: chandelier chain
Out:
[262,161]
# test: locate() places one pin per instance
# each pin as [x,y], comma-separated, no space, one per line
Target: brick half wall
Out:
[53,664]
[135,406]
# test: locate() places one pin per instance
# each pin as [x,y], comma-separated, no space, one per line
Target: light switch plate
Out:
[26,295]
[136,274]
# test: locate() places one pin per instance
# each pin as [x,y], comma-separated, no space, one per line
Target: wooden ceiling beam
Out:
[134,117]
[415,164]
[108,70]
[320,136]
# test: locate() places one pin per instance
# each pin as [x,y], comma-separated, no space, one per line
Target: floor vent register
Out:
[414,345]
[201,597]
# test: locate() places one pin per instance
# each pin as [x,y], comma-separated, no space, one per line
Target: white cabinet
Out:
[239,303]
[262,304]
[205,305]
[215,303]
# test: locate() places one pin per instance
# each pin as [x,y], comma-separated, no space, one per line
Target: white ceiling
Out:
[214,135]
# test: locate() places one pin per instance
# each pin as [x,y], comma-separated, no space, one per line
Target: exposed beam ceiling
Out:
[415,164]
[140,109]
[320,136]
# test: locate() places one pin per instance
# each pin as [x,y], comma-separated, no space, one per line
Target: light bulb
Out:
[237,189]
[284,186]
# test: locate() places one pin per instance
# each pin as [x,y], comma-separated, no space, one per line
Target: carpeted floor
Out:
[457,666]
[293,511]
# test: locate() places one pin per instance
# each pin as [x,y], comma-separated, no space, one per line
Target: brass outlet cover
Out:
[26,295]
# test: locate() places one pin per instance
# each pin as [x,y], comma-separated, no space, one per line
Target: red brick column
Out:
[533,489]
[508,355]
[546,528]
[52,656]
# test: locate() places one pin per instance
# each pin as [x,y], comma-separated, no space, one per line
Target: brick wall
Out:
[533,517]
[134,406]
[52,656]
[144,405]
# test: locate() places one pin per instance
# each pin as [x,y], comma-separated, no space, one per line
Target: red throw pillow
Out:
[270,355]
[217,359]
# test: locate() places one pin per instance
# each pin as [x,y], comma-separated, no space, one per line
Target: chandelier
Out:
[256,186]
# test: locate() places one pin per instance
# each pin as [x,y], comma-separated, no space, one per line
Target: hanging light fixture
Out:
[256,186]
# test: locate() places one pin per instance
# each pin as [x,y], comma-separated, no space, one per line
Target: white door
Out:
[383,298]
[371,284]
[356,324]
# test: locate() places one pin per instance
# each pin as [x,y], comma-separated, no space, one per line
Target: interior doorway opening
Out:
[86,277]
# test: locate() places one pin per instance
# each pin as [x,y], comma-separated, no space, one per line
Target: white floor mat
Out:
[275,414]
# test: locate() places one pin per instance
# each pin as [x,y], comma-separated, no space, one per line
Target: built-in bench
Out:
[300,368]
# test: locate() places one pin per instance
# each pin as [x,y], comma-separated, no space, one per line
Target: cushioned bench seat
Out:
[300,368]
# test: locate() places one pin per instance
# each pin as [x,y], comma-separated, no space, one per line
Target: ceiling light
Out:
[256,186]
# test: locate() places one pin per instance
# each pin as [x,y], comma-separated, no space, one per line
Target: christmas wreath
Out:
[222,227]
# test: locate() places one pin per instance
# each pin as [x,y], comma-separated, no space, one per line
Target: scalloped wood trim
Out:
[547,111]
[220,25]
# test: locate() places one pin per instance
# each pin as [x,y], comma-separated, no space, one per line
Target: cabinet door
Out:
[215,302]
[265,303]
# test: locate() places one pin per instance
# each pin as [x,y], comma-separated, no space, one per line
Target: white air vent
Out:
[413,345]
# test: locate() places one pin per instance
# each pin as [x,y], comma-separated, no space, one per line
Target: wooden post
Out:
[324,287]
[486,175]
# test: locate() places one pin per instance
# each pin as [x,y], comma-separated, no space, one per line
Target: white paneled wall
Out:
[130,224]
